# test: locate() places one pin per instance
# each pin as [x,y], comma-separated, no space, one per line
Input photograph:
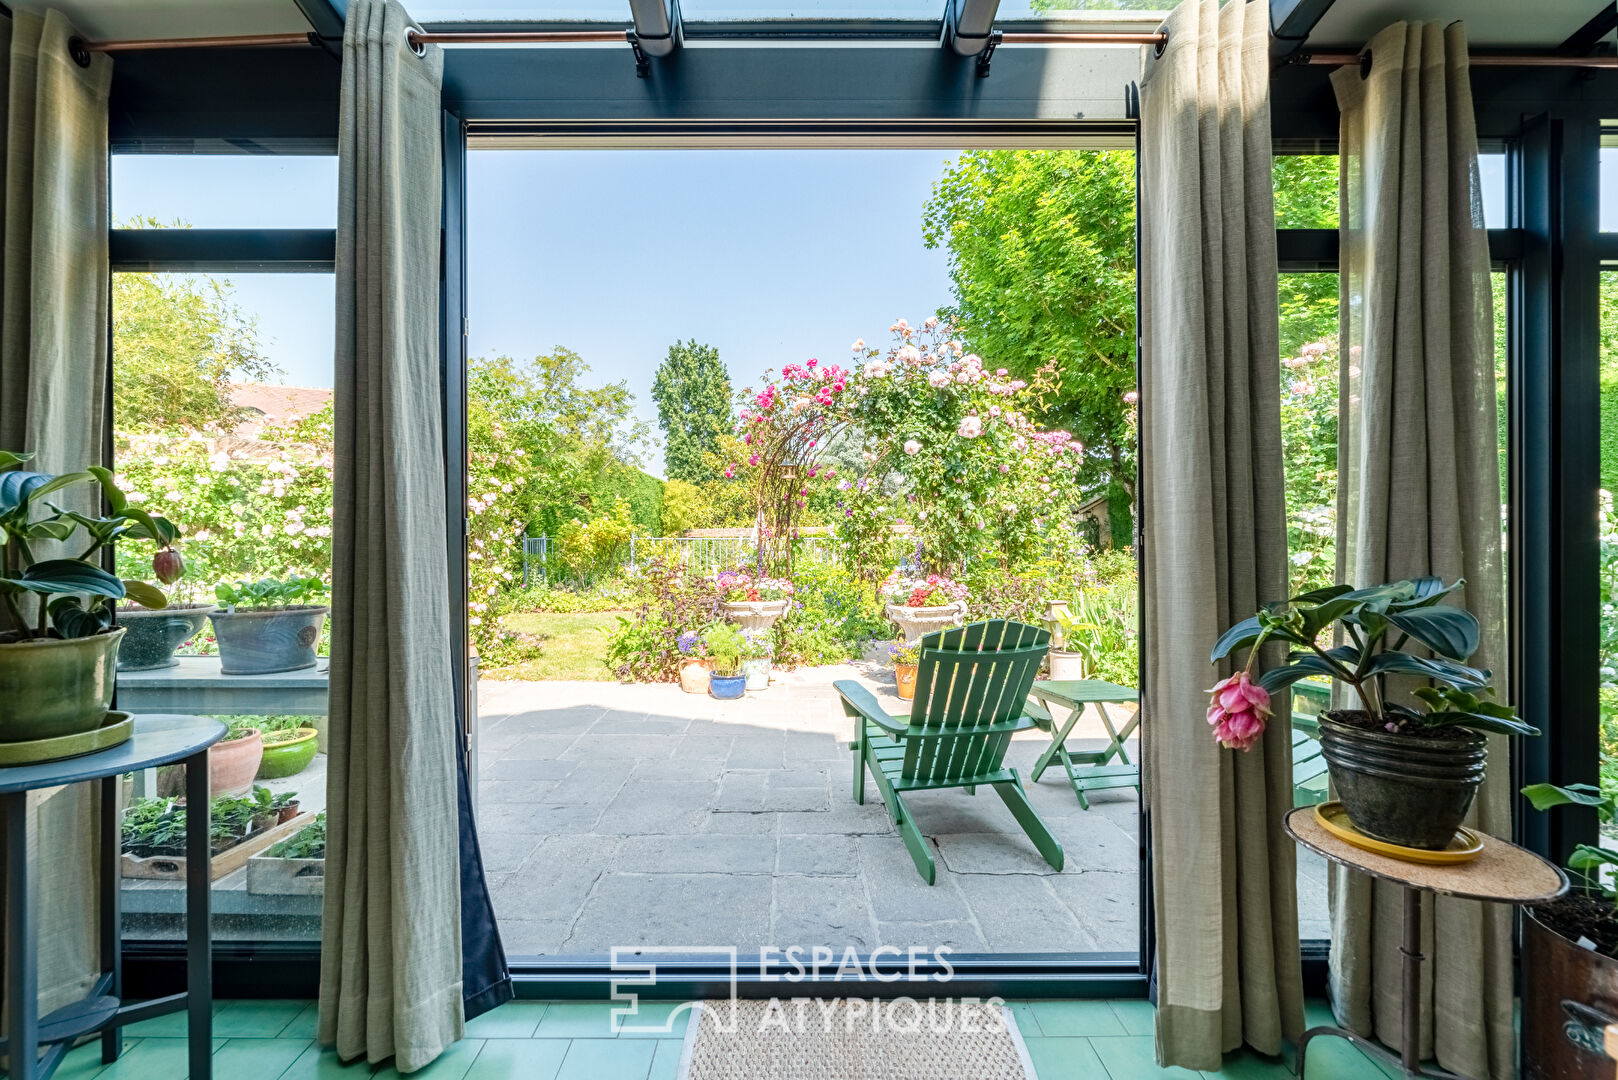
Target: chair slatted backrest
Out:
[970,678]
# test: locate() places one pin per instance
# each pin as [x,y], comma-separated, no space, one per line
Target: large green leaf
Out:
[18,489]
[150,527]
[1477,721]
[8,458]
[1243,633]
[1548,796]
[147,596]
[1320,596]
[71,619]
[67,576]
[1398,663]
[1449,631]
[115,496]
[1304,666]
[1585,857]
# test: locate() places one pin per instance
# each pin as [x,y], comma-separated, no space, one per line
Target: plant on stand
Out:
[726,646]
[922,605]
[58,644]
[269,625]
[1404,775]
[753,602]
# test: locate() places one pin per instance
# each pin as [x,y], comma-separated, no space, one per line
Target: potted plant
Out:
[287,751]
[1570,954]
[294,866]
[234,760]
[726,646]
[58,644]
[756,655]
[695,667]
[151,637]
[1404,775]
[754,602]
[1070,655]
[922,605]
[906,656]
[267,626]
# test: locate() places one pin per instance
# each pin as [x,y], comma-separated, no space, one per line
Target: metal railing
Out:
[541,555]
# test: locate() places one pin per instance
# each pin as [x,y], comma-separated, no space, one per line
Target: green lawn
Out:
[574,646]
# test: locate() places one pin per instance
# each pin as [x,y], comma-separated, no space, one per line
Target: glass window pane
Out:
[222,423]
[224,191]
[762,10]
[1609,182]
[1015,10]
[607,11]
[1306,190]
[1609,535]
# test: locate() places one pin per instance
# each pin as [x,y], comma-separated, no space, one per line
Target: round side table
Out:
[1503,873]
[158,739]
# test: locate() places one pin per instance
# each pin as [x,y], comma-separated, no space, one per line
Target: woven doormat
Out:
[853,1039]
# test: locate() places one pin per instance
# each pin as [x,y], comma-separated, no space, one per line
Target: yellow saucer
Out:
[1466,845]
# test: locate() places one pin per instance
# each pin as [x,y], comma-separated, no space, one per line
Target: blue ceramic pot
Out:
[727,686]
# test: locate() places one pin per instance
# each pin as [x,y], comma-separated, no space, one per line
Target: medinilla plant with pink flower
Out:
[1407,753]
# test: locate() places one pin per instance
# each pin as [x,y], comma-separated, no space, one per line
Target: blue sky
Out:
[773,256]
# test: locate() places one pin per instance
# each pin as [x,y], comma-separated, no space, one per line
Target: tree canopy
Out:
[692,392]
[1041,255]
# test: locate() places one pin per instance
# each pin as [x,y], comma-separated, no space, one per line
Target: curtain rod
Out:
[551,37]
[1475,60]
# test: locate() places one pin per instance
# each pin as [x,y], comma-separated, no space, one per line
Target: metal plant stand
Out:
[160,739]
[1502,873]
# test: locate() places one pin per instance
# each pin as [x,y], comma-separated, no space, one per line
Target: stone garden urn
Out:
[756,616]
[914,622]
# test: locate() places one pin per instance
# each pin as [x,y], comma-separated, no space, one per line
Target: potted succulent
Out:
[1570,954]
[754,602]
[695,667]
[726,646]
[268,626]
[906,657]
[1404,775]
[922,605]
[756,655]
[58,644]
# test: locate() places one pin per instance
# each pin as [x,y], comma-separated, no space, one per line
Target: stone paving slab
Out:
[614,815]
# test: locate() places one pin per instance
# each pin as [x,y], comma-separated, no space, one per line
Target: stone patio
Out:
[623,815]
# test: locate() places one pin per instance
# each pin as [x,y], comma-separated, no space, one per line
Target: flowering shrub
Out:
[690,645]
[1309,445]
[737,586]
[863,527]
[933,590]
[982,480]
[832,616]
[646,646]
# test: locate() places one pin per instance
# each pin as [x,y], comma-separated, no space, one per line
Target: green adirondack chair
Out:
[971,687]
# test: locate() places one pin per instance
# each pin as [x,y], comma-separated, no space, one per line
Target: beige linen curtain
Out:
[1419,489]
[53,357]
[390,977]
[1223,872]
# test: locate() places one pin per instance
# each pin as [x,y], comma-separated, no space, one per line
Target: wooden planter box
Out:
[268,875]
[172,868]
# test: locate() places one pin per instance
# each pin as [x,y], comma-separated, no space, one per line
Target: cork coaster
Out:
[1503,871]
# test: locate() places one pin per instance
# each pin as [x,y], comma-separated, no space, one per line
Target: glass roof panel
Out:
[772,10]
[615,12]
[1020,10]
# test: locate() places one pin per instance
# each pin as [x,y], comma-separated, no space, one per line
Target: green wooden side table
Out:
[1087,770]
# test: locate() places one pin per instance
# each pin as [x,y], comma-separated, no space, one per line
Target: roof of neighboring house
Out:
[279,403]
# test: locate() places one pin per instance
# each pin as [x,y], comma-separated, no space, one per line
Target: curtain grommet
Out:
[1365,64]
[415,44]
[79,50]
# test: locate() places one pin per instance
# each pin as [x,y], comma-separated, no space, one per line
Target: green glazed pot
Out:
[51,688]
[290,757]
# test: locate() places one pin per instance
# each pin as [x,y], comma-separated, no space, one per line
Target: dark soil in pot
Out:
[1557,969]
[1402,788]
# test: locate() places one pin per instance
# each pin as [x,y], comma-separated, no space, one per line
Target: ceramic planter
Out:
[694,676]
[1066,665]
[917,621]
[287,756]
[267,640]
[232,764]
[1556,1046]
[52,687]
[905,676]
[153,636]
[1404,789]
[756,671]
[727,687]
[755,615]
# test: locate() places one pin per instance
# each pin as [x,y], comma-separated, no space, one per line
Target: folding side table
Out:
[1095,773]
[158,739]
[1502,873]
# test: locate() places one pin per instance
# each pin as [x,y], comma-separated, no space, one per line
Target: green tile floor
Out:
[537,1040]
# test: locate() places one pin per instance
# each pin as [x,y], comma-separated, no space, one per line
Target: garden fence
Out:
[541,555]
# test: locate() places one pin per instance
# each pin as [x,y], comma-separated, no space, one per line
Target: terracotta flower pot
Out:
[905,675]
[694,676]
[233,764]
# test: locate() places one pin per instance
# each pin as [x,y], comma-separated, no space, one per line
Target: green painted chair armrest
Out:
[858,701]
[1306,723]
[1022,723]
[1040,715]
